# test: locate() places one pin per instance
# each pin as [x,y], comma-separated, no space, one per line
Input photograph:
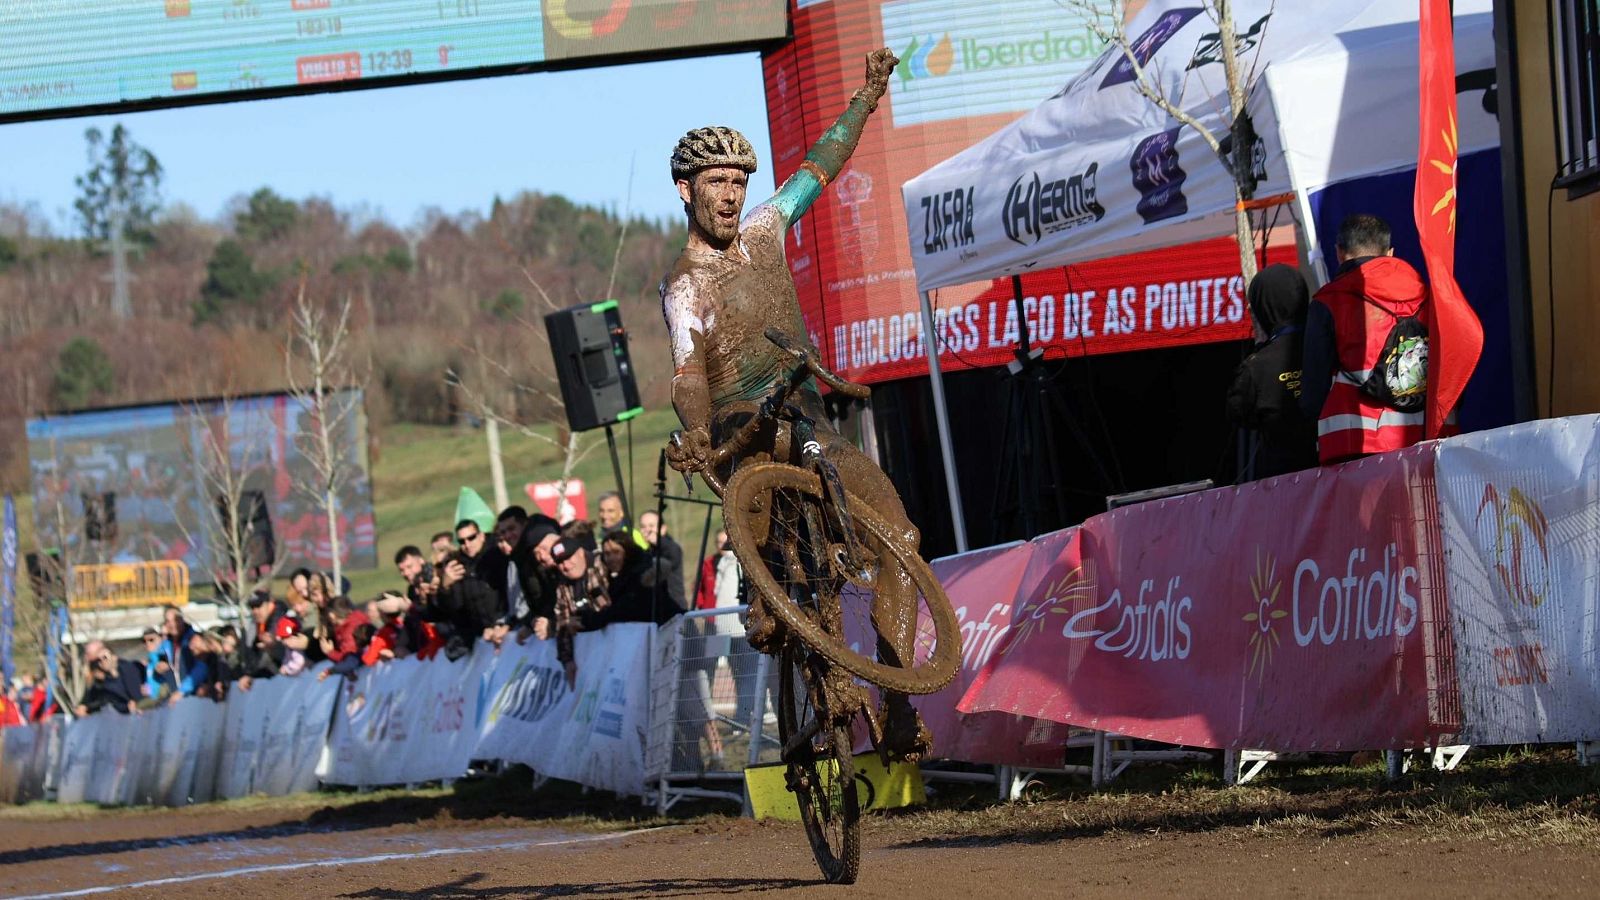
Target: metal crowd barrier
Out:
[713,709]
[122,585]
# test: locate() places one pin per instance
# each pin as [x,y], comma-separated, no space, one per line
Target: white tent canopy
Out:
[1098,170]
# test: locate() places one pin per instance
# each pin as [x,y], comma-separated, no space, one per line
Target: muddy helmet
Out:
[715,145]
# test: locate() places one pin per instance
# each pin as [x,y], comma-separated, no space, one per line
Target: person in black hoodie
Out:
[1265,394]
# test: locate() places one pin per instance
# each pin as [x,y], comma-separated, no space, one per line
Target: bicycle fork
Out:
[845,556]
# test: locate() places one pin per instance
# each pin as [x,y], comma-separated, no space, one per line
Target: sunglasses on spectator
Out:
[464,539]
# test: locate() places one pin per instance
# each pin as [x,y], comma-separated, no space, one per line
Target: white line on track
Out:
[322,863]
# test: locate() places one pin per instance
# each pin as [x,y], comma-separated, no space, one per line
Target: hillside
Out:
[209,301]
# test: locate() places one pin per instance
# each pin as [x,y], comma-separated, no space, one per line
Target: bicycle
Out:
[812,551]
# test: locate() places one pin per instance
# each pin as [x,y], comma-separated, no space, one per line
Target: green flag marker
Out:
[471,506]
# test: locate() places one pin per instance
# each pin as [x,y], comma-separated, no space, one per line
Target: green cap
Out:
[471,506]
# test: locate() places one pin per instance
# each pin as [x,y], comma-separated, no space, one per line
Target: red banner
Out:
[1289,614]
[1457,335]
[967,68]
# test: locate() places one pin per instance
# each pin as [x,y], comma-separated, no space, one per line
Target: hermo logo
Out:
[1265,586]
[931,57]
[1513,521]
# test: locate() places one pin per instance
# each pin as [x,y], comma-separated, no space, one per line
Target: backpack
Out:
[1399,380]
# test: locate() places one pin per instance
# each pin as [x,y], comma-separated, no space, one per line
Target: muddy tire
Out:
[766,510]
[821,771]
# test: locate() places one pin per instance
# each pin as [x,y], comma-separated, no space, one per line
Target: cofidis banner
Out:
[1289,614]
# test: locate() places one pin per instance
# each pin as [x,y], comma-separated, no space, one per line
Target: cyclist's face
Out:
[716,199]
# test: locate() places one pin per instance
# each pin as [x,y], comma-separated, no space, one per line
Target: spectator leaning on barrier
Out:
[582,590]
[1371,298]
[344,647]
[175,639]
[472,541]
[442,543]
[118,683]
[466,605]
[160,680]
[265,647]
[10,706]
[528,586]
[198,680]
[633,581]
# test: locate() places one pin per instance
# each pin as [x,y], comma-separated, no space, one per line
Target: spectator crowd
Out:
[528,578]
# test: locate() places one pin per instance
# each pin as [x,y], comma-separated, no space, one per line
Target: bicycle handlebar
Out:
[806,363]
[804,356]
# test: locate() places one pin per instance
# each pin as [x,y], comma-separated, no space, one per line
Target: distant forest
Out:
[210,303]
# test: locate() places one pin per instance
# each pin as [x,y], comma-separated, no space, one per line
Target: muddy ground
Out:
[1516,826]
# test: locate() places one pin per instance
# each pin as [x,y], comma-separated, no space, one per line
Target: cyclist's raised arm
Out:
[686,326]
[828,156]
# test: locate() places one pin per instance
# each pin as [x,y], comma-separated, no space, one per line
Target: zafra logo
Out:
[1035,207]
[1265,588]
[947,221]
[926,58]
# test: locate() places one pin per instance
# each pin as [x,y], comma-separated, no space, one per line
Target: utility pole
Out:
[497,468]
[121,306]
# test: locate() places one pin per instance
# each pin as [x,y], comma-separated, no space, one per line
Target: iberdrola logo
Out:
[1265,586]
[927,59]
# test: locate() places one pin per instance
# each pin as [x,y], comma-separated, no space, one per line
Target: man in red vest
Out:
[1349,322]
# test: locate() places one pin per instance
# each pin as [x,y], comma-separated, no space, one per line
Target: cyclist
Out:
[730,284]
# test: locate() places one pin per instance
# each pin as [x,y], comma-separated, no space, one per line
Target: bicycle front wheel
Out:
[821,770]
[777,522]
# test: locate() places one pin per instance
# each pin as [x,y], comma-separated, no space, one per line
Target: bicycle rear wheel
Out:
[821,769]
[771,511]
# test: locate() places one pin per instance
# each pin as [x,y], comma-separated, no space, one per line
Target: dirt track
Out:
[726,856]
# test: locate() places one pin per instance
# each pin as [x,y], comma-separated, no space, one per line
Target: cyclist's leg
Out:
[894,606]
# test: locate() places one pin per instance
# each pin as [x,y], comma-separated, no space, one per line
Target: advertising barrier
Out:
[273,736]
[165,756]
[26,755]
[411,720]
[1186,621]
[592,733]
[1521,517]
[986,581]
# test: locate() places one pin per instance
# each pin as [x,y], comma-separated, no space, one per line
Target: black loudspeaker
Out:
[44,576]
[99,516]
[255,528]
[590,348]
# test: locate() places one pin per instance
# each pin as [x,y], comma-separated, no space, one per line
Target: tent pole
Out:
[941,415]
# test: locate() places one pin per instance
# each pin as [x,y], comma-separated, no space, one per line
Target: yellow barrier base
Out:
[878,788]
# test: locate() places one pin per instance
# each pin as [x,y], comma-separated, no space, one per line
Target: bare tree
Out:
[1108,20]
[321,381]
[232,464]
[490,381]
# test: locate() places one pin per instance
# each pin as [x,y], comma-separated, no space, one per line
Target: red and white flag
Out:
[1455,334]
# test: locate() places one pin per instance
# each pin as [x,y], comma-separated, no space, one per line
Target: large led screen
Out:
[66,54]
[967,68]
[164,472]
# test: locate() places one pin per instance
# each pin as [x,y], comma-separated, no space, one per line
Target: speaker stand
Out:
[616,469]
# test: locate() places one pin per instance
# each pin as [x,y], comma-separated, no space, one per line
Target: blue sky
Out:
[400,150]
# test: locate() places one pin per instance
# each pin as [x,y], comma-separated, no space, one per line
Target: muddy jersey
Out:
[726,300]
